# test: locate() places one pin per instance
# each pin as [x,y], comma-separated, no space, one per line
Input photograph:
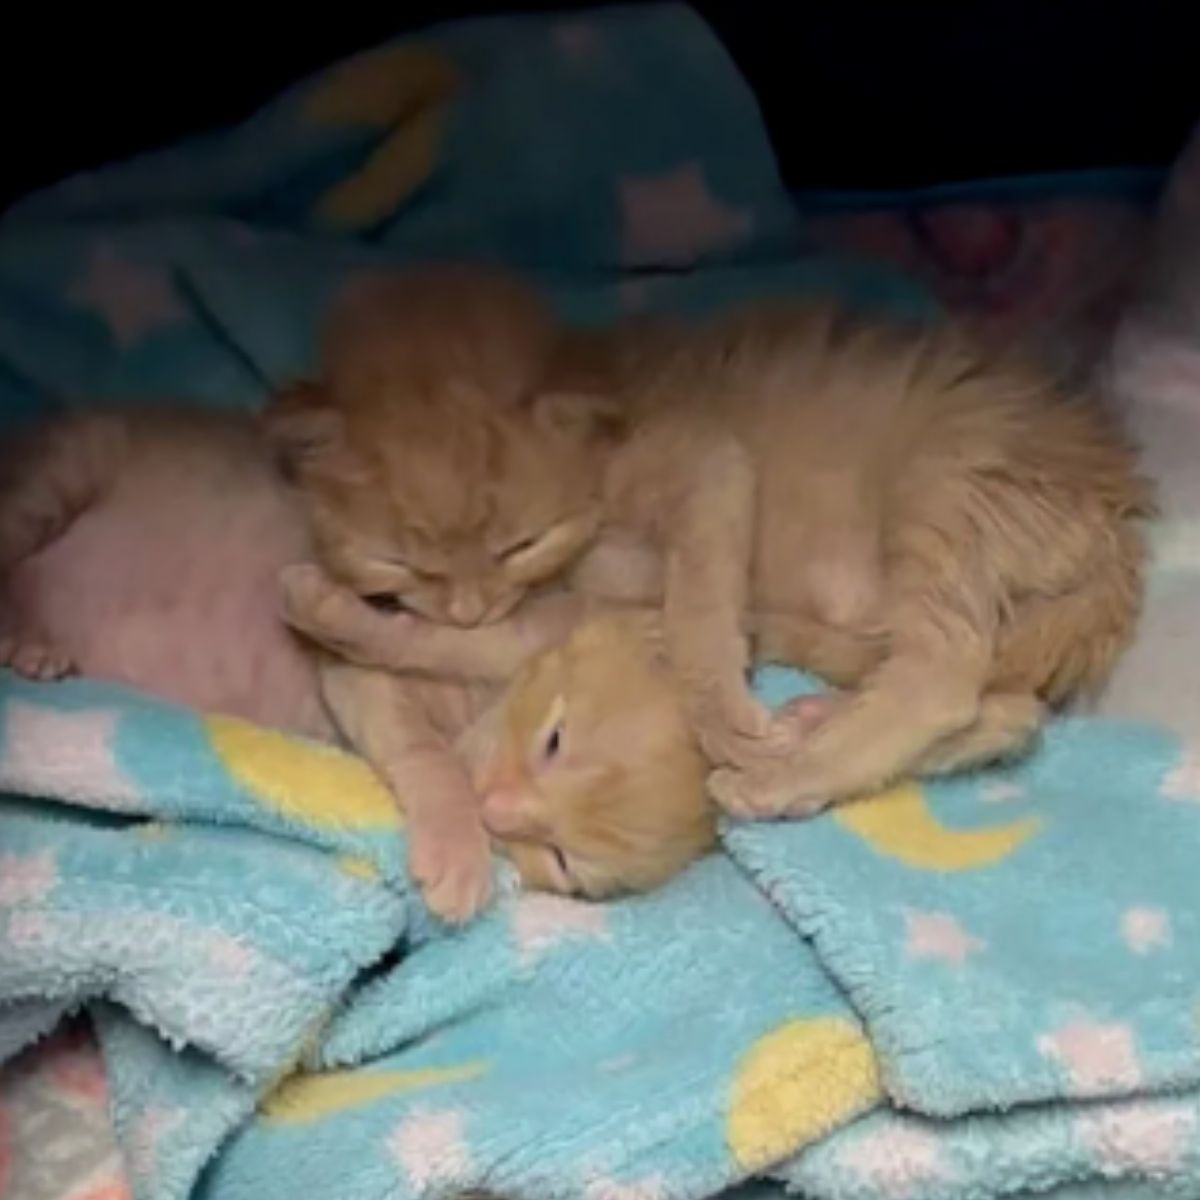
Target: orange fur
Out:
[966,512]
[437,474]
[589,774]
[622,806]
[954,534]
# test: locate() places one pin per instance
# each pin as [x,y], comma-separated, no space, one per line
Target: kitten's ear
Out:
[584,416]
[301,425]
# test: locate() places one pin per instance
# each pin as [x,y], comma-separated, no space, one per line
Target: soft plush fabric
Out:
[230,907]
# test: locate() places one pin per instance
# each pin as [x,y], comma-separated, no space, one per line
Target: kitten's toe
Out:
[303,589]
[452,865]
[744,735]
[763,795]
[799,717]
[33,659]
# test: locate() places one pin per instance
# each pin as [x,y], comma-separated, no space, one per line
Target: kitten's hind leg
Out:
[32,657]
[942,640]
[47,478]
[1007,724]
[51,474]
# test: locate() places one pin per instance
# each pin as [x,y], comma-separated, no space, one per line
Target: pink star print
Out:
[1100,1059]
[430,1148]
[1146,929]
[651,1188]
[672,220]
[540,921]
[939,936]
[1183,783]
[1002,792]
[1145,1137]
[147,1136]
[26,877]
[49,752]
[131,298]
[229,957]
[897,1161]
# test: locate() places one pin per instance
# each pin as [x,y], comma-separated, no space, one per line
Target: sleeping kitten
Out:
[144,548]
[587,772]
[880,485]
[438,471]
[970,510]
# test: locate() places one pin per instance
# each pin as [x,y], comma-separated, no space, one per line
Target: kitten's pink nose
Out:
[504,812]
[467,608]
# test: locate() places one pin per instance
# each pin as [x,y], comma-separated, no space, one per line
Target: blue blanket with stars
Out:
[984,988]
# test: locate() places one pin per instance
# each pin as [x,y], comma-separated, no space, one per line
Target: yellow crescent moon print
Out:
[795,1084]
[404,90]
[898,824]
[305,1098]
[314,785]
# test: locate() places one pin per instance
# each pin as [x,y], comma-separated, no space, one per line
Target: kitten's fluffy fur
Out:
[432,465]
[954,535]
[437,470]
[587,771]
[970,510]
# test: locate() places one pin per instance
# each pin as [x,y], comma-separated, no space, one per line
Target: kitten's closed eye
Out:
[563,879]
[520,545]
[387,602]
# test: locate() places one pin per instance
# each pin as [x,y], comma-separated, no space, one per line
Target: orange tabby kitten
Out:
[589,776]
[897,482]
[436,473]
[882,485]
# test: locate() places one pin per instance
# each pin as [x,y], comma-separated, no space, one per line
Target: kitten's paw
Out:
[798,718]
[451,862]
[742,734]
[764,794]
[307,597]
[34,659]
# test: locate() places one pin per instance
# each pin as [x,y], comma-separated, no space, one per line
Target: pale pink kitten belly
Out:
[168,583]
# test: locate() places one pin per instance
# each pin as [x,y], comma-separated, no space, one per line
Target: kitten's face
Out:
[455,521]
[438,473]
[589,776]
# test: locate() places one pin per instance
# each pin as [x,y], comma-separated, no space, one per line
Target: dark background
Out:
[876,94]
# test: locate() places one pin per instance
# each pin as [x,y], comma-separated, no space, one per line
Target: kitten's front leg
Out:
[381,716]
[336,618]
[707,531]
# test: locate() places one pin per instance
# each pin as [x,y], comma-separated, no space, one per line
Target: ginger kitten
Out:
[952,535]
[438,472]
[974,512]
